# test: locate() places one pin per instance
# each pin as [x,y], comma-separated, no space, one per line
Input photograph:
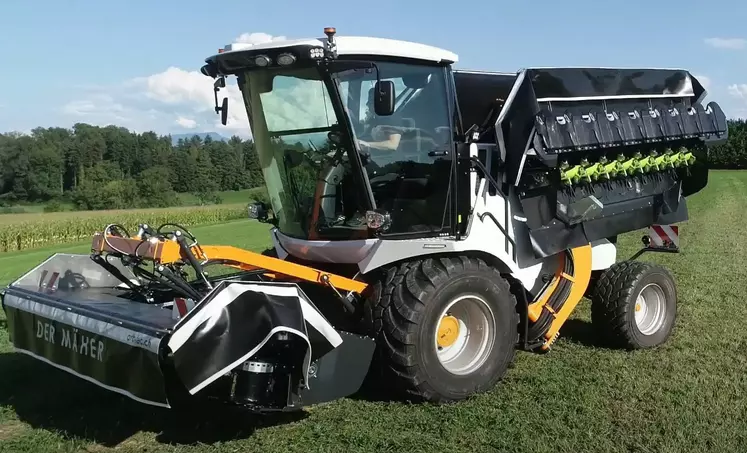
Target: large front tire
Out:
[634,305]
[446,328]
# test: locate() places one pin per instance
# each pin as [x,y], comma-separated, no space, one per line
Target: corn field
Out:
[27,231]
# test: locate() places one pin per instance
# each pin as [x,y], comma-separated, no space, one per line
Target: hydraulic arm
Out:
[170,252]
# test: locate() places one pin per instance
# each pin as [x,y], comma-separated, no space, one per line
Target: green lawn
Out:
[686,396]
[247,234]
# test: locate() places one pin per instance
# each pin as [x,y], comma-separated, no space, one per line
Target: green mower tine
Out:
[593,171]
[599,170]
[615,167]
[648,163]
[632,165]
[665,160]
[572,176]
[583,170]
[677,159]
[565,177]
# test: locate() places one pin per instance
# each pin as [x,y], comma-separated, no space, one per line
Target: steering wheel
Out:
[426,137]
[381,181]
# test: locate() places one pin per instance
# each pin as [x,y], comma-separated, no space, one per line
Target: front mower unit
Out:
[258,344]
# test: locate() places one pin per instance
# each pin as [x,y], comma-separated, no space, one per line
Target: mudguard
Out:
[71,313]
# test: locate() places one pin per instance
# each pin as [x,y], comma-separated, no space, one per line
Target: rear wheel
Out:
[446,328]
[634,305]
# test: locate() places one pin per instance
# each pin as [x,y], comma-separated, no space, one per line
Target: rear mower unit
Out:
[427,223]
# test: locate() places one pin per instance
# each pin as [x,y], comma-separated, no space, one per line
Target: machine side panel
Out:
[334,252]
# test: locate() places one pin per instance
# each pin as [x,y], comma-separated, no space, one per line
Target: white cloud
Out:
[257,38]
[177,86]
[186,123]
[727,43]
[739,91]
[169,101]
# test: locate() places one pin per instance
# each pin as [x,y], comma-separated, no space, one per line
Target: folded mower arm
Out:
[172,249]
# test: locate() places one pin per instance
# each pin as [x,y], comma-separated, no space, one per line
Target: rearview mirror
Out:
[224,111]
[384,98]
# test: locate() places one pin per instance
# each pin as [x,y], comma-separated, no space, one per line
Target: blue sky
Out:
[133,63]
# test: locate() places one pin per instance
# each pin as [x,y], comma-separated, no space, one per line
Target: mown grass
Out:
[581,397]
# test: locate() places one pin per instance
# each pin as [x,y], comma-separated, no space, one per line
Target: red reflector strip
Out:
[662,234]
[181,306]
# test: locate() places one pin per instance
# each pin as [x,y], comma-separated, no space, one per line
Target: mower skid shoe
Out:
[69,312]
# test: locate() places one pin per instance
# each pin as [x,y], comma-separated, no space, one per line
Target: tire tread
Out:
[402,296]
[610,298]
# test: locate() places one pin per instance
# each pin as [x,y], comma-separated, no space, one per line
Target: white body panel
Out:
[603,254]
[360,45]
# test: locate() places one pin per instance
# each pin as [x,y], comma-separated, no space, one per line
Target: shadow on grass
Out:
[582,332]
[48,398]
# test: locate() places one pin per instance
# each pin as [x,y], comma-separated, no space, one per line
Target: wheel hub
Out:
[448,331]
[650,309]
[465,334]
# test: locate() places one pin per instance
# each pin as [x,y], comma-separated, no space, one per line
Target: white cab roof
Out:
[360,45]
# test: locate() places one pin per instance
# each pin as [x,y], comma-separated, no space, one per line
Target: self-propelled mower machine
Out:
[427,223]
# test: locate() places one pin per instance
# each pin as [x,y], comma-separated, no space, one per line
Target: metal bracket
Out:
[647,247]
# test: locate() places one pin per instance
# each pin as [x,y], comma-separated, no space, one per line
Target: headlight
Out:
[257,211]
[262,60]
[284,59]
[378,220]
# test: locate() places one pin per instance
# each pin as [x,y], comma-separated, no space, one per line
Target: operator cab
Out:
[355,135]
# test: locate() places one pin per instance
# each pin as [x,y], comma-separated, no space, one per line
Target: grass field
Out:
[685,396]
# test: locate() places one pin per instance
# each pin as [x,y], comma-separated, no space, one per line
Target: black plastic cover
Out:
[576,83]
[481,96]
[583,109]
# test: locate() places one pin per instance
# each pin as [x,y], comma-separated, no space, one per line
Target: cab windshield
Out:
[304,152]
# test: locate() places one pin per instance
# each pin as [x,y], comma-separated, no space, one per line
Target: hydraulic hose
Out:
[555,303]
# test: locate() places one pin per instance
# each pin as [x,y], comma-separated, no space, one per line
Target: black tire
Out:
[404,311]
[614,299]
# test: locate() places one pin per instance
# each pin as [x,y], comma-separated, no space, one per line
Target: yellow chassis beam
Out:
[169,252]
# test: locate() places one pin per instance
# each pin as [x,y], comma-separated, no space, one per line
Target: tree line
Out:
[733,153]
[111,167]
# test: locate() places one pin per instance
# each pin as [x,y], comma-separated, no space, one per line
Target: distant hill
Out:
[213,135]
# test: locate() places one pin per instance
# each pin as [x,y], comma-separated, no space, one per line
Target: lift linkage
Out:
[164,252]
